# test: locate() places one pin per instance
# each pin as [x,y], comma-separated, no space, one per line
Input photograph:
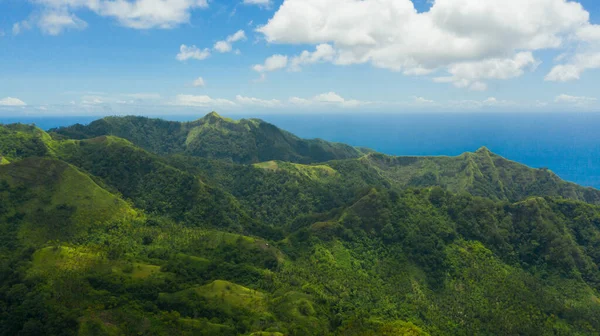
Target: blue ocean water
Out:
[568,144]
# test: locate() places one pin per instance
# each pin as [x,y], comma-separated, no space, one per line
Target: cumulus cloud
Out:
[257,102]
[472,40]
[10,101]
[202,101]
[577,65]
[222,47]
[589,33]
[273,63]
[192,52]
[585,57]
[226,45]
[327,99]
[323,53]
[138,14]
[470,74]
[199,82]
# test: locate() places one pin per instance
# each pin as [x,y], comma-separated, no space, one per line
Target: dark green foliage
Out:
[244,141]
[153,185]
[362,245]
[481,174]
[19,141]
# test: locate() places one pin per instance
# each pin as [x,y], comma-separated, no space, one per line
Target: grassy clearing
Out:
[233,295]
[54,259]
[312,172]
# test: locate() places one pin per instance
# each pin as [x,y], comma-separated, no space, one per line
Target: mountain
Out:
[19,141]
[106,229]
[153,185]
[482,173]
[45,200]
[215,137]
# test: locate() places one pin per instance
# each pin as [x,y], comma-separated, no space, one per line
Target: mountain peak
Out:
[483,150]
[212,117]
[213,114]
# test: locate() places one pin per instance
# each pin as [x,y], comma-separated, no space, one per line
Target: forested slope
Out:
[215,137]
[482,173]
[100,235]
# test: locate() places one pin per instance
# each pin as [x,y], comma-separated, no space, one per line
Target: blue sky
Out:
[100,57]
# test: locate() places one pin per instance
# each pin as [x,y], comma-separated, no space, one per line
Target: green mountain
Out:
[135,226]
[153,185]
[482,173]
[45,200]
[215,137]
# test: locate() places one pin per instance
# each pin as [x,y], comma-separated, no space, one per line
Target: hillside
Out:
[482,173]
[153,185]
[107,230]
[215,137]
[45,200]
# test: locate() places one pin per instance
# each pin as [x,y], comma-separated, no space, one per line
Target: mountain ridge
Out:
[481,173]
[241,141]
[102,236]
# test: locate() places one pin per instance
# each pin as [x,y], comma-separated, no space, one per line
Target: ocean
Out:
[566,143]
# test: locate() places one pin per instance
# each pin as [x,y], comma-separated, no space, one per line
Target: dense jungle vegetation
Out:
[137,226]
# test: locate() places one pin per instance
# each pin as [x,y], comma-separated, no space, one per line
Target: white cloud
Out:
[199,82]
[238,36]
[222,46]
[489,103]
[10,101]
[575,100]
[264,3]
[54,23]
[299,101]
[137,14]
[273,63]
[470,74]
[92,100]
[327,99]
[573,70]
[192,52]
[202,101]
[103,99]
[226,45]
[421,100]
[493,101]
[21,26]
[323,53]
[589,33]
[257,102]
[473,40]
[145,14]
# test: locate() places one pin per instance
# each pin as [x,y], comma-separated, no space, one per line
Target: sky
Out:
[111,57]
